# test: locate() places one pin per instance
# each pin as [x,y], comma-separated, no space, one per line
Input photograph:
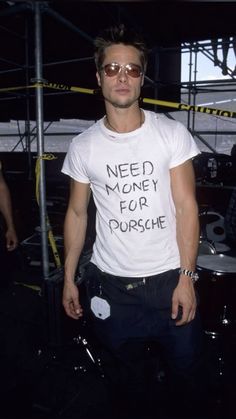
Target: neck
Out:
[122,124]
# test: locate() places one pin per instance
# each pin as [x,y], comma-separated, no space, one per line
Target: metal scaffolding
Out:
[191,89]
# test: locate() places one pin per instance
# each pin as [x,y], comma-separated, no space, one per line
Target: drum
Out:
[212,226]
[221,247]
[216,289]
[206,247]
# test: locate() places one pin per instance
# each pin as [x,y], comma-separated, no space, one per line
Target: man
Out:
[140,281]
[8,239]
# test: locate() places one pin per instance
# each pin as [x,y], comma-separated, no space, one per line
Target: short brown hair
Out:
[119,35]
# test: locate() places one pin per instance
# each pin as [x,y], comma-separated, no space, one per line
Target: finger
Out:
[192,310]
[70,309]
[187,316]
[11,247]
[79,312]
[71,313]
[184,317]
[175,308]
[192,314]
[76,307]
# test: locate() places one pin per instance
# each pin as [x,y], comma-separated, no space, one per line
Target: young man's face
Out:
[121,90]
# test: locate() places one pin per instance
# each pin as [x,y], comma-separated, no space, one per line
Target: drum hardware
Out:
[218,356]
[213,335]
[212,226]
[74,355]
[212,233]
[212,166]
[76,364]
[225,321]
[206,247]
[217,290]
[221,247]
[80,340]
[217,264]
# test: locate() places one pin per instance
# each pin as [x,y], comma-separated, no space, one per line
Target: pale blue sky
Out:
[205,68]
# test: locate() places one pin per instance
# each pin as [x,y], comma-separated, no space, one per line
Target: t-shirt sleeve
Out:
[183,146]
[73,165]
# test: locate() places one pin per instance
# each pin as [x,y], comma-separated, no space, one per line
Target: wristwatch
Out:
[193,275]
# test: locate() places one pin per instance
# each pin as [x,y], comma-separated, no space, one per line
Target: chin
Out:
[123,104]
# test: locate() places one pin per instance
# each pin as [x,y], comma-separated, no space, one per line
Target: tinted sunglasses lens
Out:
[133,70]
[111,70]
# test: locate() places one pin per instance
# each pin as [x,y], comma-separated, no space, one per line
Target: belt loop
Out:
[136,284]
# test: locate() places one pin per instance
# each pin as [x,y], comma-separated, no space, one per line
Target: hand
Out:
[184,297]
[70,300]
[11,240]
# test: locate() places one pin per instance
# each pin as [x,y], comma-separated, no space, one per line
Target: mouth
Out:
[122,91]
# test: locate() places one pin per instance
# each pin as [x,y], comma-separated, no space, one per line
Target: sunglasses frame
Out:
[126,67]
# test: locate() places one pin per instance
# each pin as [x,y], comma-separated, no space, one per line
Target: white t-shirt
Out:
[129,174]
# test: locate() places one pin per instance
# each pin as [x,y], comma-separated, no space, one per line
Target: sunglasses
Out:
[132,70]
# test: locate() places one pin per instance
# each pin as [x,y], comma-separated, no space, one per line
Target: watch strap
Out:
[193,275]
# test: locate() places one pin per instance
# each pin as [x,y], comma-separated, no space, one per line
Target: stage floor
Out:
[52,367]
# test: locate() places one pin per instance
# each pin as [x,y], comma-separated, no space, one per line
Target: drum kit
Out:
[216,288]
[216,265]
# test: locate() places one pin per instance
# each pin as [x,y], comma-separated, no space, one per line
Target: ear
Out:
[142,80]
[98,79]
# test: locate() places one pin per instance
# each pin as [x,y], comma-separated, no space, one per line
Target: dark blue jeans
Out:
[141,313]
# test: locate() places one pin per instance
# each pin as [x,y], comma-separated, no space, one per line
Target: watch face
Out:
[195,276]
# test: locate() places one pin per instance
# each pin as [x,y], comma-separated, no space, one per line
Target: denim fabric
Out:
[143,313]
[140,325]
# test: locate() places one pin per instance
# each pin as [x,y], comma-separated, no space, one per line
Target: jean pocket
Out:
[92,281]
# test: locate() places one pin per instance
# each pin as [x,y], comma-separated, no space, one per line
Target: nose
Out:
[122,75]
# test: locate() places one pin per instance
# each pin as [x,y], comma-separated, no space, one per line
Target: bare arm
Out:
[6,210]
[183,191]
[74,237]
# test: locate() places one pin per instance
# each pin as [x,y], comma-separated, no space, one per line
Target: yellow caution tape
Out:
[176,105]
[50,233]
[195,108]
[33,287]
[9,89]
[59,86]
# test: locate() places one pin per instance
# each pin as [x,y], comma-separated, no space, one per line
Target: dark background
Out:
[68,30]
[38,373]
